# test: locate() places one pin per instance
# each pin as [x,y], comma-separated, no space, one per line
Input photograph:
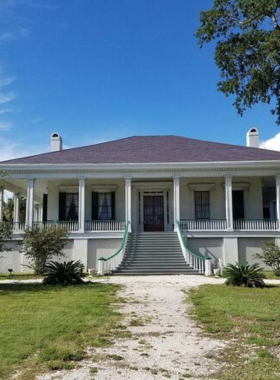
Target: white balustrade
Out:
[256,224]
[104,225]
[221,224]
[106,266]
[203,225]
[18,227]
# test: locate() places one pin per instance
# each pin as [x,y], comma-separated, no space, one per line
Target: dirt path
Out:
[164,342]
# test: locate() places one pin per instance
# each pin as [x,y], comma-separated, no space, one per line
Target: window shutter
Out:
[94,206]
[45,207]
[62,206]
[113,204]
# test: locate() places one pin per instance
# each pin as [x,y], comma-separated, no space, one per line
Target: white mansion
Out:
[222,200]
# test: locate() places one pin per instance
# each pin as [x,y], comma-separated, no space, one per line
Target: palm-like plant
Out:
[65,273]
[244,275]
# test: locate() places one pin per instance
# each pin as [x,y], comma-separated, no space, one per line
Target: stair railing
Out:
[107,265]
[198,262]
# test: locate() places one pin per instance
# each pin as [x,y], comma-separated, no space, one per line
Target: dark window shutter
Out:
[94,206]
[238,204]
[62,206]
[113,203]
[45,207]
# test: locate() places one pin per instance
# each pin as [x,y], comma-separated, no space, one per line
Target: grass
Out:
[250,320]
[44,327]
[18,276]
[270,275]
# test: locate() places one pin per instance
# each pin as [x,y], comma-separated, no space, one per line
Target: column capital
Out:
[176,176]
[228,176]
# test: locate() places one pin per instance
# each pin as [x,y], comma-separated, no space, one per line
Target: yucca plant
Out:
[65,273]
[250,276]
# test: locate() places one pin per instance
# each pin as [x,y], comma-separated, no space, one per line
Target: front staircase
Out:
[153,253]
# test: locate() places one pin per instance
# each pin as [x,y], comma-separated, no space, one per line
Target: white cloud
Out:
[11,149]
[14,35]
[6,98]
[6,110]
[5,126]
[272,144]
[6,81]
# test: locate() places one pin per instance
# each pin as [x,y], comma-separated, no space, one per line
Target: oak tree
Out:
[247,50]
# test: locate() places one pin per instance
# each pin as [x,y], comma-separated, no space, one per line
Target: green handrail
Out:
[122,245]
[186,248]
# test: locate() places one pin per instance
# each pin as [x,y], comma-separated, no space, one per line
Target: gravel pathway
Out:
[164,343]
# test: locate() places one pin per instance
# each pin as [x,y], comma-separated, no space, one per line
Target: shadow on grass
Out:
[39,287]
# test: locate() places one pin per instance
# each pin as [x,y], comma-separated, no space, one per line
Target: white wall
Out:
[248,247]
[212,247]
[11,259]
[101,248]
[16,260]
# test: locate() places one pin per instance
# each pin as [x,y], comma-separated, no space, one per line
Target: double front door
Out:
[153,213]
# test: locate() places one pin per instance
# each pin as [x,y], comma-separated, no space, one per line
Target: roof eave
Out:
[156,165]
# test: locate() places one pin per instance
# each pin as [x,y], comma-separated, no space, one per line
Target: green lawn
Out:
[270,275]
[45,327]
[250,320]
[18,276]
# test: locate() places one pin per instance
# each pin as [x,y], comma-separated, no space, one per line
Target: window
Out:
[72,206]
[202,209]
[68,206]
[103,206]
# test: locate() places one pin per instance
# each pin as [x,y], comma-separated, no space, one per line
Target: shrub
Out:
[244,275]
[40,245]
[271,257]
[5,235]
[63,273]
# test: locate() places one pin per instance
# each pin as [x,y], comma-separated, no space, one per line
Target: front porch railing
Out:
[107,265]
[70,226]
[203,224]
[104,225]
[198,262]
[17,227]
[256,224]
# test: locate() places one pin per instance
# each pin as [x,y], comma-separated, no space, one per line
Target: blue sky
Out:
[96,70]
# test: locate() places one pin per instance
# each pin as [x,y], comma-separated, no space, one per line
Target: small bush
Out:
[250,276]
[63,273]
[271,257]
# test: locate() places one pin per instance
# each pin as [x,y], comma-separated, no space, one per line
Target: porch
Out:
[185,225]
[90,205]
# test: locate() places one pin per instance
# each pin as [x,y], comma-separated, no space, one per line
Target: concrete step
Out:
[153,253]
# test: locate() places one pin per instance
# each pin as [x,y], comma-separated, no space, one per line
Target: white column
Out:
[36,213]
[1,203]
[82,187]
[29,203]
[40,213]
[16,208]
[228,199]
[128,201]
[277,183]
[176,198]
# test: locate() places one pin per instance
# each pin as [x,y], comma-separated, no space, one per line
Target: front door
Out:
[153,213]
